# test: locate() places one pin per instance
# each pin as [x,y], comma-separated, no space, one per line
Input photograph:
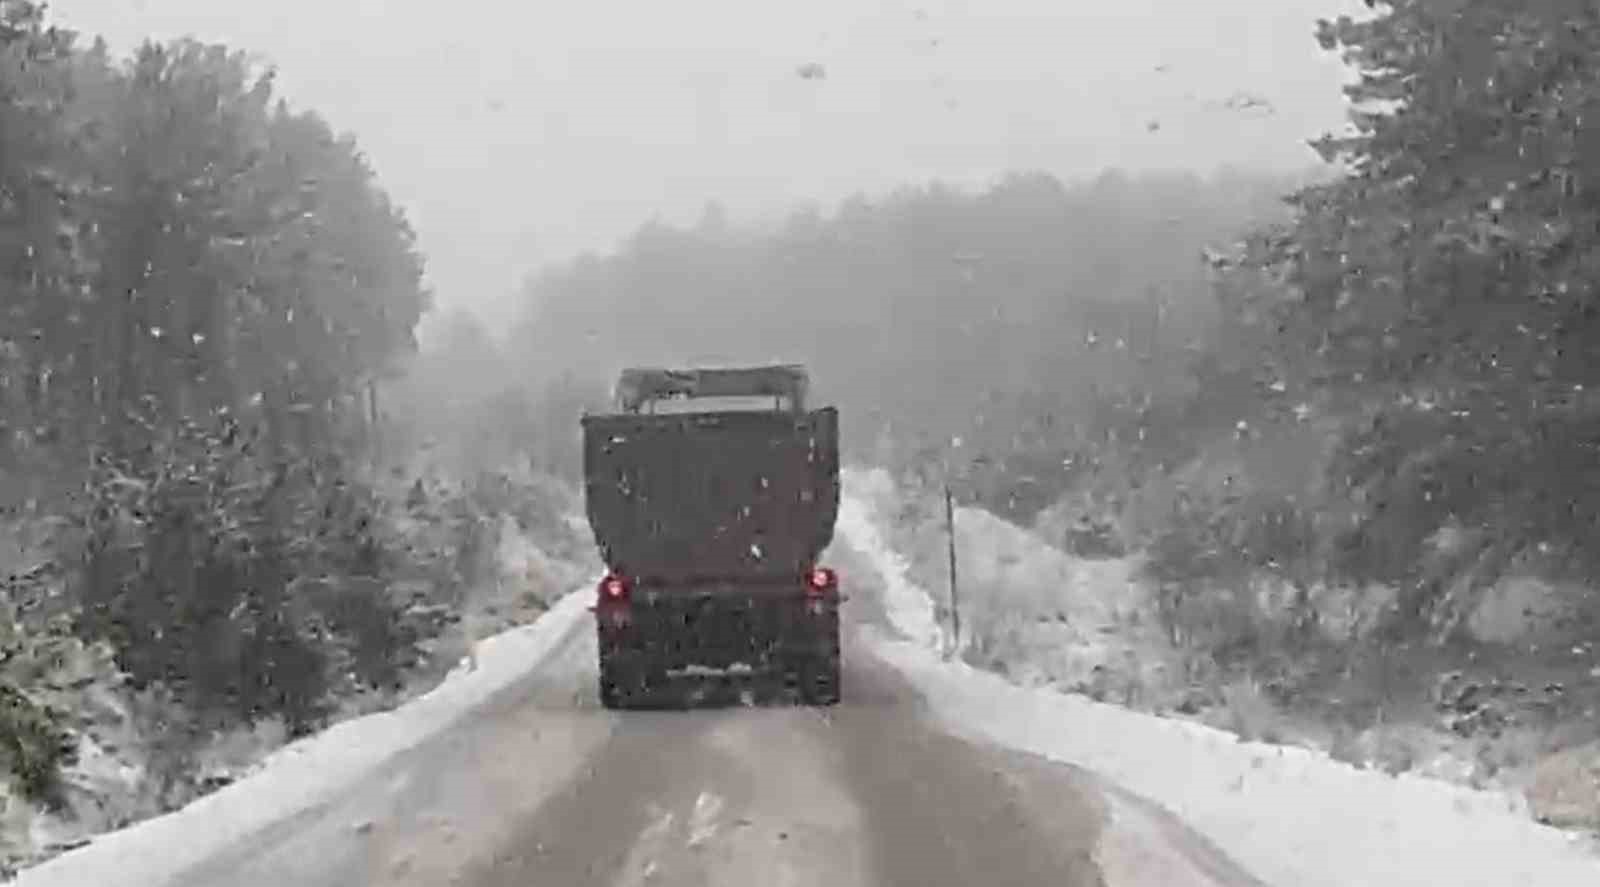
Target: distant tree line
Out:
[1023,319]
[470,403]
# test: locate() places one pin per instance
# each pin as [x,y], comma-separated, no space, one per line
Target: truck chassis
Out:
[650,636]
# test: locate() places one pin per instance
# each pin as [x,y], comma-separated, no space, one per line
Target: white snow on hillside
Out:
[304,774]
[1050,617]
[1293,817]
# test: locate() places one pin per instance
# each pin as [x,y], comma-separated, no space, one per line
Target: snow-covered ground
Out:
[305,774]
[1043,616]
[913,609]
[1294,817]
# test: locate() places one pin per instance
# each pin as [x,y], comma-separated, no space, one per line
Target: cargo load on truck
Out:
[711,494]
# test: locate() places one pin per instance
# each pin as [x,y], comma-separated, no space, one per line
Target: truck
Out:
[712,493]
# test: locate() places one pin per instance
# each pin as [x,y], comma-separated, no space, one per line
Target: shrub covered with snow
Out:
[100,736]
[1026,608]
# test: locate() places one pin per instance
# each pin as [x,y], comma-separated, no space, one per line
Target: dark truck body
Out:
[710,523]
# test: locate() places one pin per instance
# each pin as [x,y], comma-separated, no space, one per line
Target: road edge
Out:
[318,767]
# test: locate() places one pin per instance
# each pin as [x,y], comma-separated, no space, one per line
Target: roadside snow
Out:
[1294,817]
[910,609]
[1036,612]
[1134,851]
[310,772]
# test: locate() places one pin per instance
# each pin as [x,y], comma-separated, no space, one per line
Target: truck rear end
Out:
[710,521]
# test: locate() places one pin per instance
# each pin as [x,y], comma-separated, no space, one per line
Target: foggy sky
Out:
[520,132]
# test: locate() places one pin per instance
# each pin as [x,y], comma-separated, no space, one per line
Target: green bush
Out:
[250,591]
[34,746]
[1208,562]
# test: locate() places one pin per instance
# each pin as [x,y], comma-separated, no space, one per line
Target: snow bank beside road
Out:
[1293,817]
[308,773]
[910,609]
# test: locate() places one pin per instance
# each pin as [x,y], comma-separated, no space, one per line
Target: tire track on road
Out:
[428,810]
[627,794]
[942,811]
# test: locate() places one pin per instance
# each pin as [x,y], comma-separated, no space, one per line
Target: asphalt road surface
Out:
[544,788]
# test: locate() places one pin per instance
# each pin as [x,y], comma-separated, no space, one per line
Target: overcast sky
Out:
[520,132]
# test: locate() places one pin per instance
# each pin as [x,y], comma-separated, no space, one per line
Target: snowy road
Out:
[542,786]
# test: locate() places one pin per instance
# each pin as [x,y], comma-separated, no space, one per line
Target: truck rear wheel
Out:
[613,692]
[819,682]
[622,687]
[819,676]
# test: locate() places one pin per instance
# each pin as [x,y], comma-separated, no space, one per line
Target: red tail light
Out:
[821,581]
[614,588]
[614,608]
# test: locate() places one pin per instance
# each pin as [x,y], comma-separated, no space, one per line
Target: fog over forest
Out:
[1335,421]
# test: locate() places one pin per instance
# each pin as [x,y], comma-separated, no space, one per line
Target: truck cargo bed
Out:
[706,496]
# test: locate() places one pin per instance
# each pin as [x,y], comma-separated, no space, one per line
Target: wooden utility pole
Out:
[950,534]
[372,424]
